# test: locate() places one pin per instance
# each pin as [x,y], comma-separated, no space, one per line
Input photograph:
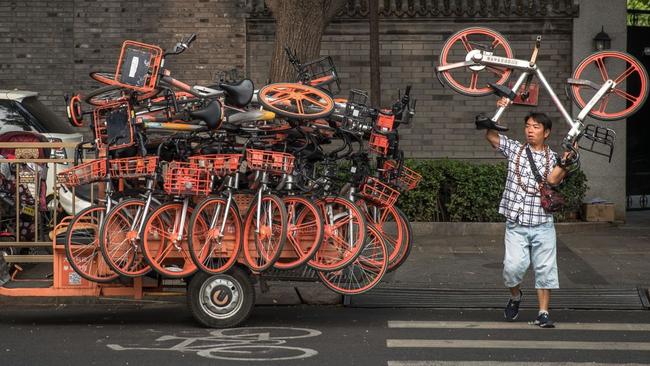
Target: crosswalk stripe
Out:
[463,343]
[516,325]
[498,363]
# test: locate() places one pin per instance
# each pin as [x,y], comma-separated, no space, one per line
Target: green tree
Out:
[636,19]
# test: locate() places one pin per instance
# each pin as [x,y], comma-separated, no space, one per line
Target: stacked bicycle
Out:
[205,178]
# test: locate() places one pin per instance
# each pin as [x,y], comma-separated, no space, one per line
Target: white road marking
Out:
[517,325]
[464,343]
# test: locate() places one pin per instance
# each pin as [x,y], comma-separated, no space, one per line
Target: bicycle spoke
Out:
[626,95]
[466,44]
[600,64]
[473,84]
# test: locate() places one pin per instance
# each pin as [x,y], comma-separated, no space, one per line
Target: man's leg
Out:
[515,263]
[544,258]
[544,298]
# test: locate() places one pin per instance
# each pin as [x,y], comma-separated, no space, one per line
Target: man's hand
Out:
[503,102]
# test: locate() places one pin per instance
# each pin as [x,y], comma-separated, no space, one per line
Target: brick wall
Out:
[51,46]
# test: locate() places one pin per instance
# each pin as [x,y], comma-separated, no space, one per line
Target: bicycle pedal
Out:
[598,136]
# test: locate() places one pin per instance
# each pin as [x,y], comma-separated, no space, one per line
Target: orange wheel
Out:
[390,225]
[620,67]
[344,234]
[365,272]
[75,113]
[215,235]
[82,246]
[165,252]
[120,241]
[263,243]
[296,100]
[404,250]
[304,232]
[462,46]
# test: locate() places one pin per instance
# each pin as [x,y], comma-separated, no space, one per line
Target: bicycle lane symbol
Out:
[238,344]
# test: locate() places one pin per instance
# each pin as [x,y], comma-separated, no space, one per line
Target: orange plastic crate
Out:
[270,161]
[218,164]
[186,179]
[84,173]
[385,122]
[138,66]
[408,179]
[102,114]
[133,167]
[378,143]
[379,192]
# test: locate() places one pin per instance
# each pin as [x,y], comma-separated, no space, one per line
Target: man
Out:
[530,232]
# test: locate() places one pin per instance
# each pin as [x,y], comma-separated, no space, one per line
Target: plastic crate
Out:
[138,66]
[218,164]
[407,180]
[84,173]
[378,143]
[385,122]
[182,178]
[133,167]
[270,161]
[379,192]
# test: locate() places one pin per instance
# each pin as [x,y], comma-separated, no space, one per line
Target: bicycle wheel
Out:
[390,225]
[82,246]
[465,44]
[407,243]
[364,273]
[105,95]
[304,232]
[344,236]
[263,244]
[120,242]
[296,100]
[619,67]
[103,77]
[215,245]
[164,252]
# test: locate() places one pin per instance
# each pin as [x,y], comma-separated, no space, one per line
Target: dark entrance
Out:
[638,129]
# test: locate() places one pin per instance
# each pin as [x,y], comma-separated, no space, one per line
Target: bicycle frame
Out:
[480,58]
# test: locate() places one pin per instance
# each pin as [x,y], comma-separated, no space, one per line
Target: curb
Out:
[497,228]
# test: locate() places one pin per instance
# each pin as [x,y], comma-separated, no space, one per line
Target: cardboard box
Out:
[598,212]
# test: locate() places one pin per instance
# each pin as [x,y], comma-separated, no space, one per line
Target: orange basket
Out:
[138,66]
[114,120]
[133,167]
[408,179]
[270,161]
[378,143]
[379,192]
[218,164]
[385,122]
[186,179]
[84,173]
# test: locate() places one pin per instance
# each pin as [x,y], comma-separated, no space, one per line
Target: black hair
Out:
[540,118]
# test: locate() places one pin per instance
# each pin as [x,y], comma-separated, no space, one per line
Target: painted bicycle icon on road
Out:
[239,344]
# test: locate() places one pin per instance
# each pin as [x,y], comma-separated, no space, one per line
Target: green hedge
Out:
[453,190]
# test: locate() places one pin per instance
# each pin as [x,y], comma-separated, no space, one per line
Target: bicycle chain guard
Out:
[599,135]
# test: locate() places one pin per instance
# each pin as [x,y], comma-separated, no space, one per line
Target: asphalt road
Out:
[166,334]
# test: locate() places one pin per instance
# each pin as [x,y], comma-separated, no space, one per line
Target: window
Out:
[11,119]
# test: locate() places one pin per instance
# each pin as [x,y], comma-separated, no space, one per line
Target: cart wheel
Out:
[223,300]
[619,67]
[462,46]
[296,101]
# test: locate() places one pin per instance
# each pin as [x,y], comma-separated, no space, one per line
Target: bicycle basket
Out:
[356,117]
[138,66]
[407,180]
[379,192]
[218,164]
[385,122]
[84,173]
[379,144]
[182,178]
[321,73]
[133,167]
[113,123]
[270,161]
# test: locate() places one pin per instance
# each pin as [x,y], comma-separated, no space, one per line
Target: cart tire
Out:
[206,290]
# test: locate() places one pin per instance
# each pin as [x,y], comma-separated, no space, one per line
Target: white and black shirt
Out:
[520,201]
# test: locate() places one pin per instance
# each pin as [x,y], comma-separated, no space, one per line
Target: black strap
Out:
[533,167]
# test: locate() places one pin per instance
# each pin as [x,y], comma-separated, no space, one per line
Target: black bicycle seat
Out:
[239,94]
[211,114]
[484,123]
[502,91]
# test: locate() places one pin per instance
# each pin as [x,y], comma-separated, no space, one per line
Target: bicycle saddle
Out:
[502,91]
[239,94]
[211,115]
[484,123]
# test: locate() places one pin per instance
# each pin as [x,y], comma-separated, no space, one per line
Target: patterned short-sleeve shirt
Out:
[522,204]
